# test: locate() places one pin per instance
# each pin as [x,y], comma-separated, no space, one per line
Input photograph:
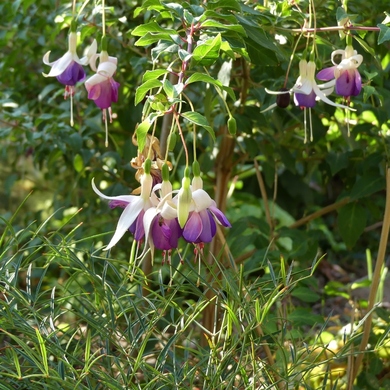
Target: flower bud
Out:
[184,199]
[283,100]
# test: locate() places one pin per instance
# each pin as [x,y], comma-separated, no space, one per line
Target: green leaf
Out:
[384,34]
[232,27]
[208,52]
[153,74]
[195,77]
[150,38]
[200,120]
[233,5]
[151,27]
[351,221]
[305,294]
[141,132]
[337,162]
[144,88]
[367,185]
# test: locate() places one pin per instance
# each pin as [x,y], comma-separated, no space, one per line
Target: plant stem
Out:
[375,280]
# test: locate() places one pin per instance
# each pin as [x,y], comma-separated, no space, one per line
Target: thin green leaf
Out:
[200,120]
[144,88]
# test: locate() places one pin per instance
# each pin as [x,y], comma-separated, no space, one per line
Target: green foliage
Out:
[73,316]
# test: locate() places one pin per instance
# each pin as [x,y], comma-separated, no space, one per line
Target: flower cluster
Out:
[160,216]
[344,77]
[101,87]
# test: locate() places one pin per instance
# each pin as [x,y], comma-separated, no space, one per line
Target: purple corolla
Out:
[344,76]
[69,68]
[101,87]
[201,224]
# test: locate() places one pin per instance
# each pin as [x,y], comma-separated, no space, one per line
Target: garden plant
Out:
[195,194]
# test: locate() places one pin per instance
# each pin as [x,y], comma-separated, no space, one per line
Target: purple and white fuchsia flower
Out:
[201,224]
[134,209]
[101,87]
[69,68]
[344,75]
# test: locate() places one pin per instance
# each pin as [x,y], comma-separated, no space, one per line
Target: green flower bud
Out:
[232,125]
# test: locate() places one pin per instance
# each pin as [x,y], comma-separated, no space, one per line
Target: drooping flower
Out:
[162,227]
[69,68]
[306,92]
[134,209]
[344,75]
[101,87]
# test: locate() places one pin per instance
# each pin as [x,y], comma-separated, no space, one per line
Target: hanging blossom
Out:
[307,92]
[101,87]
[201,213]
[344,75]
[134,209]
[69,68]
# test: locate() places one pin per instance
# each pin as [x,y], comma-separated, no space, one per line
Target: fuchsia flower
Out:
[69,68]
[344,76]
[134,209]
[201,225]
[101,87]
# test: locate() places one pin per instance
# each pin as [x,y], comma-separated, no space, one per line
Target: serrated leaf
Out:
[208,52]
[366,186]
[351,221]
[200,120]
[384,34]
[196,77]
[144,88]
[151,27]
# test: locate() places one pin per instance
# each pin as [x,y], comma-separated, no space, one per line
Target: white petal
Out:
[128,216]
[90,54]
[60,65]
[168,210]
[106,69]
[202,199]
[276,92]
[95,79]
[268,108]
[305,87]
[329,84]
[124,198]
[46,59]
[322,97]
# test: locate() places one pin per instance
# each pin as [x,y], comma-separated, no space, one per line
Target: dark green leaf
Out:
[200,120]
[367,185]
[232,27]
[305,294]
[384,34]
[351,221]
[233,5]
[337,161]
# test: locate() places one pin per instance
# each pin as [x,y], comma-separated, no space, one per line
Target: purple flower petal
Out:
[303,100]
[220,216]
[72,74]
[117,203]
[193,227]
[104,93]
[165,233]
[209,227]
[348,83]
[326,74]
